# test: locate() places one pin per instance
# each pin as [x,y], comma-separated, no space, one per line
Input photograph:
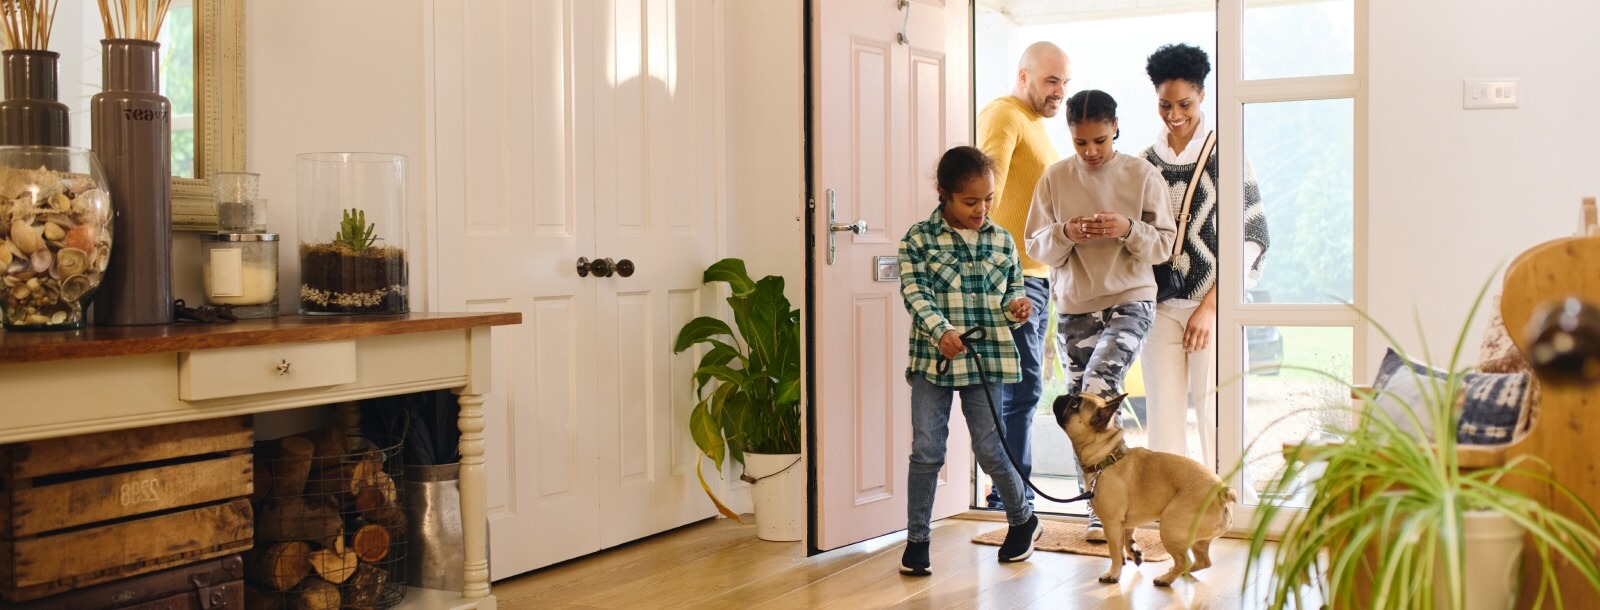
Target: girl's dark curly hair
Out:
[1184,61]
[957,166]
[1091,105]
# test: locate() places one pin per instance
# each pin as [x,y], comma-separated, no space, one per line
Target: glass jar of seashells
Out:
[55,235]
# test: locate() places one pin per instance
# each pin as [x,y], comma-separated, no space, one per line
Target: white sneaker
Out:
[1095,531]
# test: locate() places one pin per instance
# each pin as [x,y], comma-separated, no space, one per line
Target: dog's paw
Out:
[1138,556]
[1163,583]
[1108,578]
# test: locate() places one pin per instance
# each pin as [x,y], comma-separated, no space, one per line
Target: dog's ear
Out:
[1064,406]
[1102,416]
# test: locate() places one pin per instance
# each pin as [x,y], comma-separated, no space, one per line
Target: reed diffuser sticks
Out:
[132,19]
[26,23]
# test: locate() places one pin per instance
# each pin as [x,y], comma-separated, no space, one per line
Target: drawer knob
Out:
[283,367]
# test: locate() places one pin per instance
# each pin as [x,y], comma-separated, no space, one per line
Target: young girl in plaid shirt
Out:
[958,271]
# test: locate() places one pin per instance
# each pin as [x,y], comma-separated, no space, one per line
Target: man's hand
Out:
[1021,309]
[950,345]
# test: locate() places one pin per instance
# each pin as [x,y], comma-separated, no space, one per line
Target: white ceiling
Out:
[1038,12]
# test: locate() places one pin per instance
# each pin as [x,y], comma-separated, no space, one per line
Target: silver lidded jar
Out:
[241,271]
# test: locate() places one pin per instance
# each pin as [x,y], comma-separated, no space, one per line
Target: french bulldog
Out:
[1141,486]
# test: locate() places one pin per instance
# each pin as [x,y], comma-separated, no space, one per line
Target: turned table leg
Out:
[474,497]
[474,481]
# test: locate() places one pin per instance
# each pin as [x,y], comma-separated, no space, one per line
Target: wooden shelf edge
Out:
[102,341]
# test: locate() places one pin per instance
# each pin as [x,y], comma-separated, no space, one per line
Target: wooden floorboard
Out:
[721,564]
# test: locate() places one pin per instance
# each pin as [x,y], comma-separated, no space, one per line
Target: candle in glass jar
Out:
[241,271]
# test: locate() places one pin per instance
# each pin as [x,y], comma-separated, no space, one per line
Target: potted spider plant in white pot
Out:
[1395,521]
[752,413]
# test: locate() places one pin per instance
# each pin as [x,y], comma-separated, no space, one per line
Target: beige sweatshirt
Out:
[1102,273]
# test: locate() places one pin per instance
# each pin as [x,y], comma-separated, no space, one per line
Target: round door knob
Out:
[583,266]
[624,268]
[602,267]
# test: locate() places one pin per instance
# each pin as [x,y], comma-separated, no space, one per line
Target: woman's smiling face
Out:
[1179,103]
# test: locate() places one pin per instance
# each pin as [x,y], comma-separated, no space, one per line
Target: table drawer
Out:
[243,371]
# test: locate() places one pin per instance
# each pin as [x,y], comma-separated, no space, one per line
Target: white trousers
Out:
[1177,381]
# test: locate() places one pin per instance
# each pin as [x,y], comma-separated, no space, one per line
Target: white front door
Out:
[886,109]
[561,130]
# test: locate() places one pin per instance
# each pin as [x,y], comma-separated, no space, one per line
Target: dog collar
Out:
[1108,460]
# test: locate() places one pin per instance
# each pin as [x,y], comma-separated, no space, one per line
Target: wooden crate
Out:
[90,509]
[211,585]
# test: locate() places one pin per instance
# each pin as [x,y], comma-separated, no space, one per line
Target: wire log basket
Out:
[330,522]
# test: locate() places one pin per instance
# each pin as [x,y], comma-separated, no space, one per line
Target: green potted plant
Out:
[1396,522]
[752,413]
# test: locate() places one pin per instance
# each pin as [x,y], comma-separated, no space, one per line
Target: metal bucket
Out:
[435,550]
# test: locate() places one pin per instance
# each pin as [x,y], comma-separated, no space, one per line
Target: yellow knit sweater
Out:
[1013,135]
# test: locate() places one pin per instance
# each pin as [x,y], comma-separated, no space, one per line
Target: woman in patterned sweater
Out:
[1178,354]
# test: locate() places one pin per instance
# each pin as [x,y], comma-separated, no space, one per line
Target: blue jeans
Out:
[930,427]
[1019,400]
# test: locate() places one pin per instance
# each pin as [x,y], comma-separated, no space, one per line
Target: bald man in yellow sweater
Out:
[1011,131]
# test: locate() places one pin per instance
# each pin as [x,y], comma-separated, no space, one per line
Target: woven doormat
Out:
[1068,538]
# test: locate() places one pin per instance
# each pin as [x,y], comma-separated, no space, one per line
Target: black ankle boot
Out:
[914,562]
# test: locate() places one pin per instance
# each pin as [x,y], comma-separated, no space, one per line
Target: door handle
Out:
[905,20]
[604,267]
[859,227]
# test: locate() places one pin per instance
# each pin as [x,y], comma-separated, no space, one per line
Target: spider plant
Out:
[1384,525]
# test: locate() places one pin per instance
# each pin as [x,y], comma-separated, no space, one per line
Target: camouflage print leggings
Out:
[1100,346]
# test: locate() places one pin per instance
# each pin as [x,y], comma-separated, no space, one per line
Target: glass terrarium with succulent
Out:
[352,233]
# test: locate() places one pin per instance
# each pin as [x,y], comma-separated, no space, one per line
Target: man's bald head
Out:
[1042,76]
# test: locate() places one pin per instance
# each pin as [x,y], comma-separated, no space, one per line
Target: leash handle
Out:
[969,339]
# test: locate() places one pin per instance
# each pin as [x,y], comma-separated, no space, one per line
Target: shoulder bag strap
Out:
[1188,196]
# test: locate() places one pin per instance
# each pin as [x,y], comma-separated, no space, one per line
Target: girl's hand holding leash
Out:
[950,345]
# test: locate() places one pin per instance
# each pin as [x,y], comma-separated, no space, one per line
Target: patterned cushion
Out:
[1491,405]
[1499,354]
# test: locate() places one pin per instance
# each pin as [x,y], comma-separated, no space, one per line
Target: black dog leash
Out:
[970,339]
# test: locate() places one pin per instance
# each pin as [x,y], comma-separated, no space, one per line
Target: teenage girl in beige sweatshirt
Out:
[1100,219]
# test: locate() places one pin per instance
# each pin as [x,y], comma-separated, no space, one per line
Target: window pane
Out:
[1283,405]
[177,83]
[1306,38]
[1302,157]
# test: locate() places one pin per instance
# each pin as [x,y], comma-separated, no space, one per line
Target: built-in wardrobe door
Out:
[560,131]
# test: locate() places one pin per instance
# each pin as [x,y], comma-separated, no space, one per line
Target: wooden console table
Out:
[67,383]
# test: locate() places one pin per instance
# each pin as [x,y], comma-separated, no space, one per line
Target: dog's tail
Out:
[1229,498]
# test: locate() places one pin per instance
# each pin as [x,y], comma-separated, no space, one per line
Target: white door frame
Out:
[1233,92]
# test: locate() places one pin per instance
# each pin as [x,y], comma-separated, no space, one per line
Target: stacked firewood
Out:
[329,524]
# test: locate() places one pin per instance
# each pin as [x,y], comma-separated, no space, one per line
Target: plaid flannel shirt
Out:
[951,285]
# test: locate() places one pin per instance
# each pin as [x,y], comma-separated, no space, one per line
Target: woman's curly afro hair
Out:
[1184,61]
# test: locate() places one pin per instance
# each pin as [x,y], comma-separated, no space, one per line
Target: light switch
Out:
[1486,93]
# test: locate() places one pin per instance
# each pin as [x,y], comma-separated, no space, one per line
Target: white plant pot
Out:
[1492,568]
[779,495]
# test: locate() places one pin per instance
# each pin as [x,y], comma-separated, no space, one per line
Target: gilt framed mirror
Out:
[202,74]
